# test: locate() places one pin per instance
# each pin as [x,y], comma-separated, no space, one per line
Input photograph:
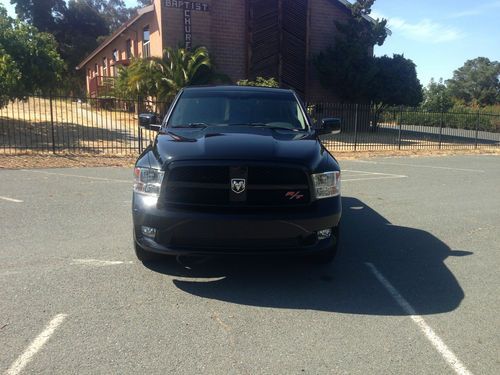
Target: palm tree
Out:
[179,68]
[162,78]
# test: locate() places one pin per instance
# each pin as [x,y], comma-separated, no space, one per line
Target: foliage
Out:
[456,118]
[162,78]
[113,12]
[354,75]
[437,97]
[395,82]
[29,61]
[259,82]
[78,26]
[43,14]
[476,82]
[347,67]
[77,36]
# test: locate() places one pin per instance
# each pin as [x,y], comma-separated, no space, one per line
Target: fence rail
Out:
[110,126]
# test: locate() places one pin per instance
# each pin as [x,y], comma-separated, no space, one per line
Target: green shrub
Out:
[463,118]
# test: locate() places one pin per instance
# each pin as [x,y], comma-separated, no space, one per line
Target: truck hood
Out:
[239,143]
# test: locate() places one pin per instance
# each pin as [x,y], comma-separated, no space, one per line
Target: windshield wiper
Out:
[192,125]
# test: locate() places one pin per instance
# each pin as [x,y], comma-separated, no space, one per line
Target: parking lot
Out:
[415,288]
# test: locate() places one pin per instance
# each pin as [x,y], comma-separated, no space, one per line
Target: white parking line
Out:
[11,199]
[98,262]
[373,178]
[355,175]
[78,176]
[420,166]
[36,345]
[429,333]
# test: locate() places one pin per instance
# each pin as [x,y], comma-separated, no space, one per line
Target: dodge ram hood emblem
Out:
[238,185]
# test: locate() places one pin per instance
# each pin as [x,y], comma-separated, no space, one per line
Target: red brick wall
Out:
[222,30]
[322,14]
[228,33]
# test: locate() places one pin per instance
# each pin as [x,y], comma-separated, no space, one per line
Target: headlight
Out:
[326,185]
[148,181]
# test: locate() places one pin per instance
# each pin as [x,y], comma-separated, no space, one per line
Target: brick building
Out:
[246,38]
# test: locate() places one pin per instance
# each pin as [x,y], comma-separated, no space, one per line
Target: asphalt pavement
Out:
[414,289]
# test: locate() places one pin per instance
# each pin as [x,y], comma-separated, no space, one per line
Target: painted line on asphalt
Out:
[374,173]
[11,199]
[420,166]
[373,178]
[428,332]
[99,262]
[36,345]
[79,176]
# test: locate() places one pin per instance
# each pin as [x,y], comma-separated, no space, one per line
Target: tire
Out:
[327,256]
[144,255]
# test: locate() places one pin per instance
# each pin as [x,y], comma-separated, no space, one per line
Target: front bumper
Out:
[183,231]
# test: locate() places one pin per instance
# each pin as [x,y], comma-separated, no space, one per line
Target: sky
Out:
[438,35]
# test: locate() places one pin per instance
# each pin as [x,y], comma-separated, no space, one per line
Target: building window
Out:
[104,66]
[146,48]
[115,55]
[128,49]
[96,69]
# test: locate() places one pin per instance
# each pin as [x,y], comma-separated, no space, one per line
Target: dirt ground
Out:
[39,160]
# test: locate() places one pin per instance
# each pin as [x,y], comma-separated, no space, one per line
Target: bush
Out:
[463,118]
[259,82]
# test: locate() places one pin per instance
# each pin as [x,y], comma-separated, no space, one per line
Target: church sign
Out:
[187,7]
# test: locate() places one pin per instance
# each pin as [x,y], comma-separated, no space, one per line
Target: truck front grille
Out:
[210,185]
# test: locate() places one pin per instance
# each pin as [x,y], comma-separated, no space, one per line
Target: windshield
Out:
[231,108]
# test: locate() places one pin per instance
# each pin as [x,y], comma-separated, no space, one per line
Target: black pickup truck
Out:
[237,170]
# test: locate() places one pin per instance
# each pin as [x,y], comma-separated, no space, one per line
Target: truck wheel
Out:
[327,256]
[143,255]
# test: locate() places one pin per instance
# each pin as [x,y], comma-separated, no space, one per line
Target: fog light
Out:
[148,231]
[324,234]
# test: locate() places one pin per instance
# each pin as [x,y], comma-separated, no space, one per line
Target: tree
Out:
[259,82]
[29,61]
[437,97]
[347,68]
[77,35]
[43,14]
[476,82]
[395,83]
[162,78]
[114,12]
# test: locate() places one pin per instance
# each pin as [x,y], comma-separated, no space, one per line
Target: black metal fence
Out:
[65,124]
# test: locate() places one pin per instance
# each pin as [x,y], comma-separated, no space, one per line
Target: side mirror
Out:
[330,125]
[149,120]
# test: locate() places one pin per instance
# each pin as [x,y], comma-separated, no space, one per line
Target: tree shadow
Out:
[39,135]
[411,259]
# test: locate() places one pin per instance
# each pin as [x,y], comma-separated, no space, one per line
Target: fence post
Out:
[52,123]
[400,126]
[477,129]
[139,129]
[441,128]
[356,128]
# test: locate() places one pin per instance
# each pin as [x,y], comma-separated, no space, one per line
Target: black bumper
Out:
[195,232]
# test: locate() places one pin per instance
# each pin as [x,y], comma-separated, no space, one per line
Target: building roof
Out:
[150,8]
[141,12]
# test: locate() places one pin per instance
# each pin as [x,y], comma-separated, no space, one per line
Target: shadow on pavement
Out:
[411,259]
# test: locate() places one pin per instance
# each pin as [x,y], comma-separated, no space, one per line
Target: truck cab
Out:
[237,170]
